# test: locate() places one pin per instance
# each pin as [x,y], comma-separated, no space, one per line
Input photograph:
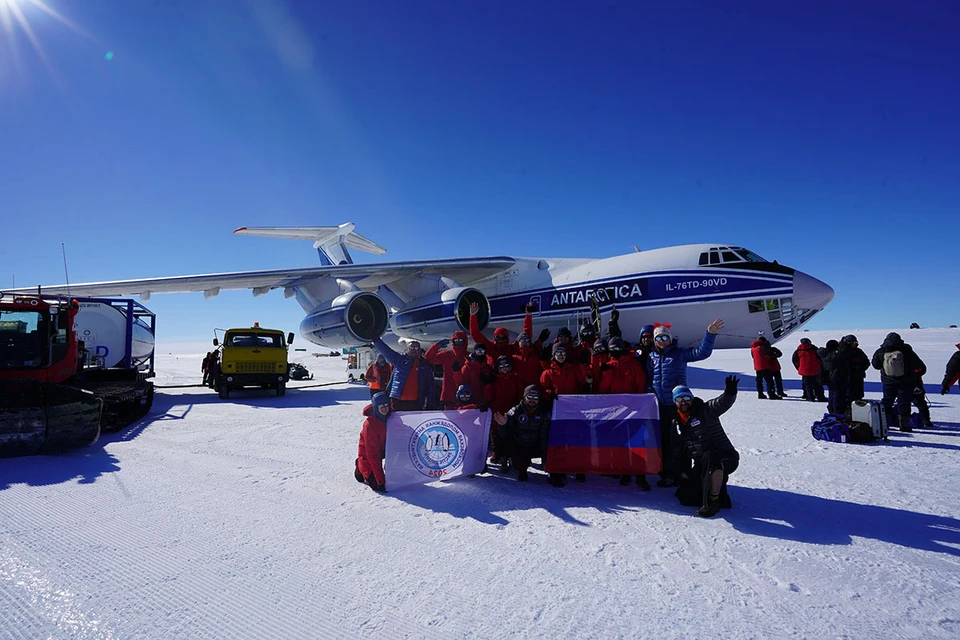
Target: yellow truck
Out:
[253,357]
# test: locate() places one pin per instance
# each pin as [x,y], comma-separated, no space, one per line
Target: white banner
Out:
[426,446]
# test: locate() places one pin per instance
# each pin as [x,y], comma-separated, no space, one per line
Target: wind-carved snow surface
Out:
[241,519]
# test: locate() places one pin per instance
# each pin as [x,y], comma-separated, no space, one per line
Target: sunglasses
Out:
[458,341]
[662,338]
[500,338]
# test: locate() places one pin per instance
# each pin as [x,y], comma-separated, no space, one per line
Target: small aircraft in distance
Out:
[349,304]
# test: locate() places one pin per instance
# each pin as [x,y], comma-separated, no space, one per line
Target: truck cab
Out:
[252,357]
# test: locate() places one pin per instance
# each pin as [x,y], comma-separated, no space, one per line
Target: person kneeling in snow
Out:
[700,439]
[372,448]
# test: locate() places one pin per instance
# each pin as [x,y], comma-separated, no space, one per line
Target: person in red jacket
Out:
[773,365]
[478,374]
[372,447]
[761,365]
[622,373]
[808,365]
[562,377]
[378,375]
[452,361]
[598,364]
[500,345]
[526,362]
[506,393]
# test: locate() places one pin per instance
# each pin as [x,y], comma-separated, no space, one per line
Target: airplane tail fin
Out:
[330,242]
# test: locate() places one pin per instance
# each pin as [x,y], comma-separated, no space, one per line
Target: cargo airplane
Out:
[349,304]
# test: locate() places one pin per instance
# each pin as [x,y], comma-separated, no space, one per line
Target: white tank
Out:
[103,329]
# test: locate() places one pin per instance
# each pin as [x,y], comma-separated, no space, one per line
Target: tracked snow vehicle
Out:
[70,368]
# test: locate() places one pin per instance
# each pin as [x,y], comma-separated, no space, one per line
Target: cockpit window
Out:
[730,256]
[748,255]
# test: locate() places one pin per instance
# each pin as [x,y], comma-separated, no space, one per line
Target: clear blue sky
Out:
[824,135]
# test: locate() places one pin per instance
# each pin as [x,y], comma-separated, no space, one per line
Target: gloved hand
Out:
[731,386]
[456,366]
[584,356]
[604,367]
[544,335]
[482,407]
[532,307]
[443,343]
[614,315]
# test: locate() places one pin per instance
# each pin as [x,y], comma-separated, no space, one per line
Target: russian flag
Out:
[611,434]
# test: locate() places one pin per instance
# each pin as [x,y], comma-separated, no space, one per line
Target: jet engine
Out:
[437,316]
[349,320]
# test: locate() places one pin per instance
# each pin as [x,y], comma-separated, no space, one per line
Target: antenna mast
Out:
[63,250]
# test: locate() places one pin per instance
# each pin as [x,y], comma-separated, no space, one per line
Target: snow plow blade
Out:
[46,419]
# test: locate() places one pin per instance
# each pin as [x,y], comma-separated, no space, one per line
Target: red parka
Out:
[761,361]
[566,379]
[807,361]
[623,375]
[507,390]
[504,347]
[476,374]
[452,361]
[373,445]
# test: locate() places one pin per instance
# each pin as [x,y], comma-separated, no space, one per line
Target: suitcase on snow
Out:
[872,413]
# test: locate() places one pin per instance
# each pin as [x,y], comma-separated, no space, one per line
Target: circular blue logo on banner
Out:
[437,447]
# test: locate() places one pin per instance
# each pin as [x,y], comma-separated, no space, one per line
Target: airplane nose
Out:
[810,293]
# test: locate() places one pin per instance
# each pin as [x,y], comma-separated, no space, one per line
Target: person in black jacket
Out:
[900,370]
[704,456]
[952,373]
[524,432]
[859,365]
[839,366]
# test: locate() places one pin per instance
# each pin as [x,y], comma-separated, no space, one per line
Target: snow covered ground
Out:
[241,519]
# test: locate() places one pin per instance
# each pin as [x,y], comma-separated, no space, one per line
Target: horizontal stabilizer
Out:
[320,236]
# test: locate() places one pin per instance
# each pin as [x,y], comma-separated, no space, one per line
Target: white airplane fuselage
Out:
[662,285]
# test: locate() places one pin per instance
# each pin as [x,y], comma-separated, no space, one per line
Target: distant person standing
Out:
[839,366]
[900,368]
[859,365]
[808,365]
[205,369]
[762,369]
[952,372]
[378,375]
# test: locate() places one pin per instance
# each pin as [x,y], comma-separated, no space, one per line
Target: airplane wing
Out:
[365,276]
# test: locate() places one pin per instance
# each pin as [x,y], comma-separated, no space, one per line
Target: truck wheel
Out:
[224,391]
[281,389]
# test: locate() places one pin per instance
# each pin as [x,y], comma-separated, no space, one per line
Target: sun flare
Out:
[15,15]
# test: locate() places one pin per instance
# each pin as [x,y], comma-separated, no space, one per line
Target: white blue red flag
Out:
[426,446]
[612,434]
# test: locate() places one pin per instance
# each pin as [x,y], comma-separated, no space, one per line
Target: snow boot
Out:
[905,424]
[356,471]
[710,509]
[624,481]
[581,477]
[761,396]
[556,480]
[642,483]
[522,475]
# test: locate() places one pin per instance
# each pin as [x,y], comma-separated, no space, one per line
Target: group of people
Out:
[842,366]
[518,381]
